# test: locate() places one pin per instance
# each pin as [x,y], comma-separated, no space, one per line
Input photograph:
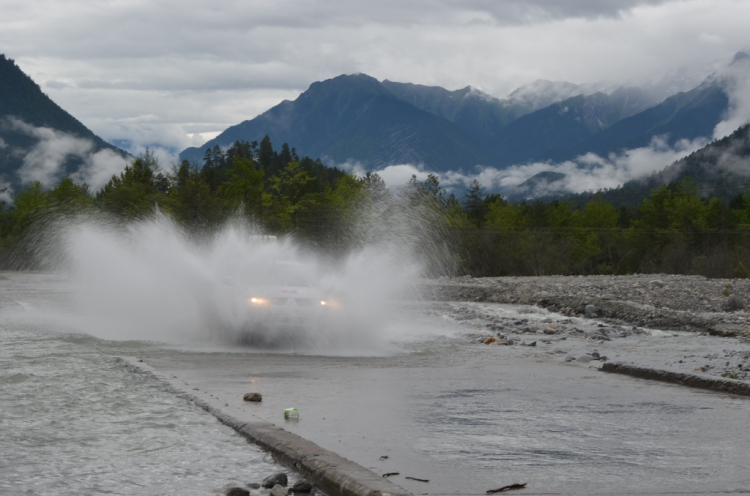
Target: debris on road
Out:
[507,488]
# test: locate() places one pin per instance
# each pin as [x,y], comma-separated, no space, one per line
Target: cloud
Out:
[398,176]
[735,80]
[98,168]
[6,192]
[201,66]
[588,172]
[45,161]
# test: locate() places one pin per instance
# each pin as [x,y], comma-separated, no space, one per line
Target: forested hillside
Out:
[676,229]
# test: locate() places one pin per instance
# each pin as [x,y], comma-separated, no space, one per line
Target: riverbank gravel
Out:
[684,324]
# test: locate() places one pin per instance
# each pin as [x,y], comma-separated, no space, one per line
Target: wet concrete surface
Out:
[471,418]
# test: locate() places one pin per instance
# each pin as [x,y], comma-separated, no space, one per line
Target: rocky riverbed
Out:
[685,324]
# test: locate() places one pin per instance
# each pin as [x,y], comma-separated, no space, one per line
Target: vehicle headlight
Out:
[257,301]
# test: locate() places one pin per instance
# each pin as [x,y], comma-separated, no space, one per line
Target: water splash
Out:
[151,279]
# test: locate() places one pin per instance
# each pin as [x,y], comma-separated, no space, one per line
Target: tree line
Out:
[674,230]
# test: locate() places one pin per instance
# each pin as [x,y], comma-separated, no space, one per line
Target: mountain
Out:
[478,114]
[356,118]
[686,115]
[556,128]
[532,121]
[23,109]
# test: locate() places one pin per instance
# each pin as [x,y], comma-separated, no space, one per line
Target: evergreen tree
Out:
[265,154]
[474,203]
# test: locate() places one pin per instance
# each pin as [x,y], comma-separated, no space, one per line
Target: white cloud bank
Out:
[6,192]
[46,159]
[588,172]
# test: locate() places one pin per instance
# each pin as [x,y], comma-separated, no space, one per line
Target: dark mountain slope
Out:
[478,114]
[684,116]
[515,129]
[556,128]
[356,118]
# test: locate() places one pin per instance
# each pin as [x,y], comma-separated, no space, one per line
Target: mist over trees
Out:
[674,230]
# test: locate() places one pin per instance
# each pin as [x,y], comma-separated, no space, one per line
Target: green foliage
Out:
[674,230]
[741,271]
[137,191]
[30,204]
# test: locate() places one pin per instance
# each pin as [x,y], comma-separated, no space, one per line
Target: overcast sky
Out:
[160,70]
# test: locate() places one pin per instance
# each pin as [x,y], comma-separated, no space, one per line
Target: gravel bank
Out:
[690,303]
[689,327]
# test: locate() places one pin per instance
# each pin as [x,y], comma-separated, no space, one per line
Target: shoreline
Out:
[714,311]
[660,301]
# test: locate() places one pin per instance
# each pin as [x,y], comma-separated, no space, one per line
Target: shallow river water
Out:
[468,417]
[73,421]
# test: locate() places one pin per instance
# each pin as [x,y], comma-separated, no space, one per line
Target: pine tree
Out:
[474,204]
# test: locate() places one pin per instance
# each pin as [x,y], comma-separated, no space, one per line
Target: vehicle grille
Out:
[300,302]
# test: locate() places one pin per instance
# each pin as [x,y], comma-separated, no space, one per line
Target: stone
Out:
[595,356]
[570,358]
[490,341]
[252,397]
[237,491]
[278,490]
[253,485]
[589,312]
[302,486]
[275,479]
[584,359]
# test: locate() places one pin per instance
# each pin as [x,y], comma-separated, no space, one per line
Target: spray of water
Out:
[153,280]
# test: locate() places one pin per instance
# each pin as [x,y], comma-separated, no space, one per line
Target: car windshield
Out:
[280,274]
[288,277]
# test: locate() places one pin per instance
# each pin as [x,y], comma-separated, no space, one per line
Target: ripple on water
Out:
[78,423]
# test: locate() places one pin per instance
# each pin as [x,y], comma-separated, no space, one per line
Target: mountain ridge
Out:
[342,119]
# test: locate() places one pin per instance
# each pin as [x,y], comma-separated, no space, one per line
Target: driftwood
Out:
[420,480]
[507,488]
[390,474]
